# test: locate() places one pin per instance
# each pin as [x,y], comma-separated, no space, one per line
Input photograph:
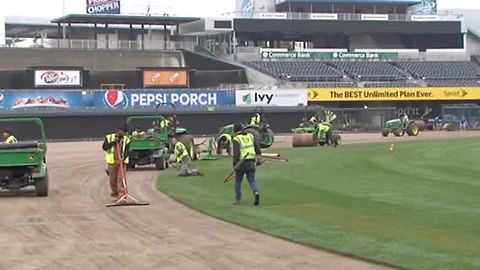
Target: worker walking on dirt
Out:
[112,142]
[8,137]
[183,158]
[245,151]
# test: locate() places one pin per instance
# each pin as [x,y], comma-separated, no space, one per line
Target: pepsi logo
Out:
[116,99]
[2,97]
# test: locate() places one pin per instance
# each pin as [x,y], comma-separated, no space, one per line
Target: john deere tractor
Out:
[261,131]
[154,145]
[400,126]
[312,133]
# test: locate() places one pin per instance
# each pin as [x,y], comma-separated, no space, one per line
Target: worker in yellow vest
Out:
[8,137]
[183,158]
[224,143]
[256,120]
[115,158]
[245,152]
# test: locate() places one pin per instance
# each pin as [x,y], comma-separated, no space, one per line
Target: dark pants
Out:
[247,168]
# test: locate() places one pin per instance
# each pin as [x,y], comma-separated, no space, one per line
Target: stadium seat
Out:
[298,71]
[441,70]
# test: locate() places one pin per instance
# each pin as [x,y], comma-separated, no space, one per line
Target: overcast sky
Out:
[199,8]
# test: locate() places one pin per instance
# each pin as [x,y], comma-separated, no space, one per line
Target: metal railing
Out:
[89,44]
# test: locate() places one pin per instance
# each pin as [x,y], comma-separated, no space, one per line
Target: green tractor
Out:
[154,146]
[400,126]
[23,164]
[261,131]
[312,133]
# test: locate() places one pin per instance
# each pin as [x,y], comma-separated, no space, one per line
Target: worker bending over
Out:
[245,152]
[112,142]
[8,137]
[183,158]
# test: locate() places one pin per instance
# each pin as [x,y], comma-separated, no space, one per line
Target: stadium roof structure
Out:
[122,19]
[390,2]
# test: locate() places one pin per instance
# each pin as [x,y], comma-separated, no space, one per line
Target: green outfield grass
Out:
[417,207]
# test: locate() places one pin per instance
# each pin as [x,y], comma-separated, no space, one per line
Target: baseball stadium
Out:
[279,134]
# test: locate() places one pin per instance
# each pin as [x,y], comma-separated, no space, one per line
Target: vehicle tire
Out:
[399,132]
[322,143]
[131,165]
[41,187]
[385,133]
[412,130]
[269,138]
[256,135]
[160,164]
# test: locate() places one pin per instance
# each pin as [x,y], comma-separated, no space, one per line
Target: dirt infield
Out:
[71,229]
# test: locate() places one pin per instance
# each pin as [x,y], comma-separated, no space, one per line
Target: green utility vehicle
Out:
[309,134]
[23,164]
[262,132]
[154,145]
[400,126]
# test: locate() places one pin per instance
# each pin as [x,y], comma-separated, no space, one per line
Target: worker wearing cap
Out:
[224,142]
[183,158]
[114,160]
[245,151]
[9,137]
[313,120]
[165,123]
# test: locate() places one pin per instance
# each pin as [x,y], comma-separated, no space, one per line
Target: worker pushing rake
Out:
[116,146]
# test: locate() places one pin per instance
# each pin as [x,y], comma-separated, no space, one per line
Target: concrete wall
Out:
[97,60]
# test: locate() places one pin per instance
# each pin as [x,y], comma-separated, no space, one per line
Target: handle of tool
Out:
[124,177]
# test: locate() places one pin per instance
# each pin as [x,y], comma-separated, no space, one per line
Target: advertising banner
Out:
[103,6]
[247,98]
[330,55]
[324,16]
[393,94]
[141,99]
[12,100]
[374,17]
[165,78]
[272,15]
[58,78]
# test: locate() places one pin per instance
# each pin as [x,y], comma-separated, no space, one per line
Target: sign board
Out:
[393,94]
[424,18]
[252,98]
[330,55]
[13,100]
[165,78]
[141,99]
[374,17]
[103,6]
[273,15]
[58,78]
[324,16]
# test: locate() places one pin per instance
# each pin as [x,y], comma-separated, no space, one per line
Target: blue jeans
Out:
[248,168]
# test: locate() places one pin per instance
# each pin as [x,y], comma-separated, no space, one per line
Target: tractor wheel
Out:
[412,130]
[256,135]
[131,165]
[41,187]
[399,132]
[336,139]
[268,138]
[385,133]
[160,164]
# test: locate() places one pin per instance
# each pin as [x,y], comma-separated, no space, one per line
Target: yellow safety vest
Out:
[164,123]
[11,139]
[255,120]
[110,156]
[227,136]
[331,117]
[178,147]
[247,147]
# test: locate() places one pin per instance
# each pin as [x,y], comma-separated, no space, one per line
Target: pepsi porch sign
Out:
[137,99]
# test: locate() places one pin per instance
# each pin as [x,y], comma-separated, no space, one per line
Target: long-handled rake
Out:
[126,199]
